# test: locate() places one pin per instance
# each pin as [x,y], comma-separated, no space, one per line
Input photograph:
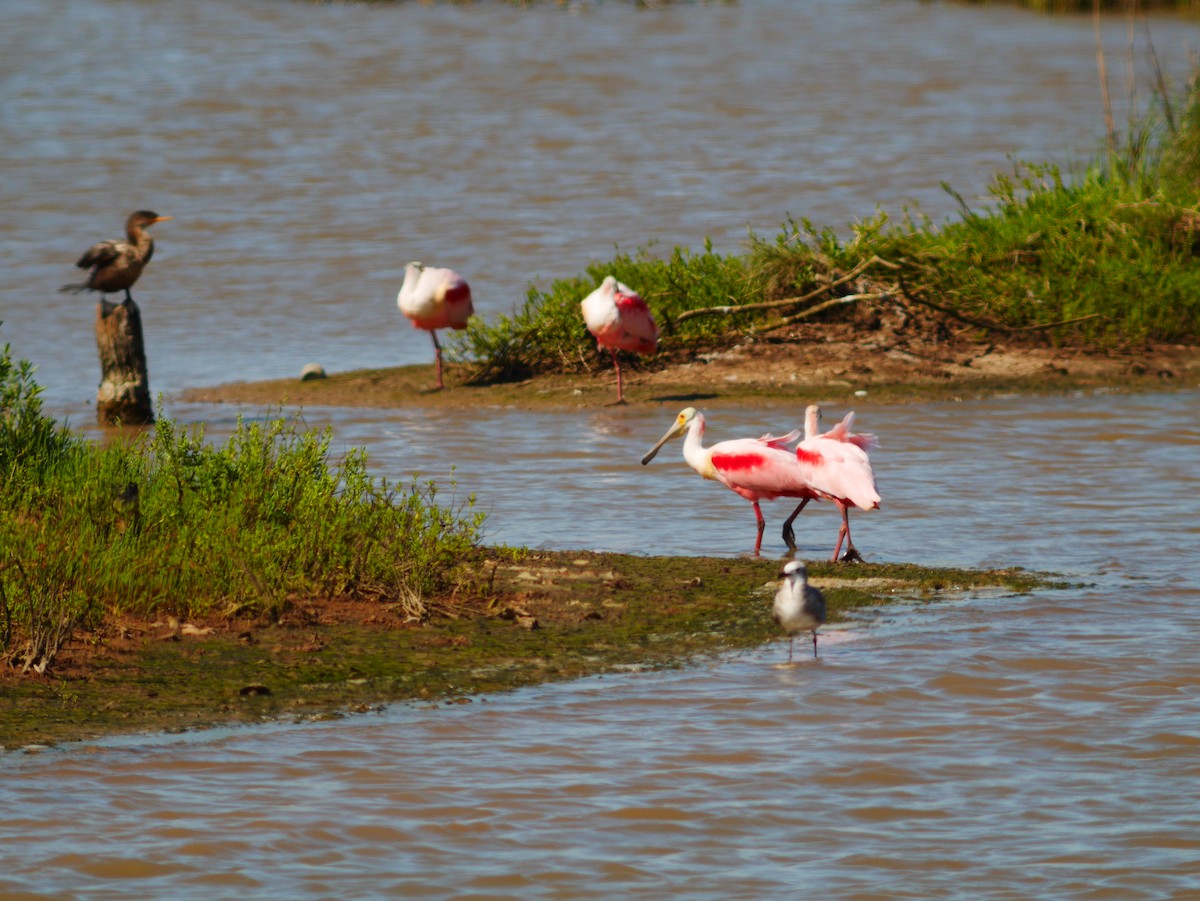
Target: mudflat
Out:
[536,617]
[824,364]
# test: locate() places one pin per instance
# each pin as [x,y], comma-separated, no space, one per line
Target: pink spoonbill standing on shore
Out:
[836,467]
[619,319]
[433,299]
[756,468]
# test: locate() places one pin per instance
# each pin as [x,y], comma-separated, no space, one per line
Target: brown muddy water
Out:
[1034,746]
[1008,746]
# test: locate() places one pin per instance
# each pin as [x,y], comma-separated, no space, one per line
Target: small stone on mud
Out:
[312,371]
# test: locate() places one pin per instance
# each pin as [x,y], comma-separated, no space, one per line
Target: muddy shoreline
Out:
[833,365]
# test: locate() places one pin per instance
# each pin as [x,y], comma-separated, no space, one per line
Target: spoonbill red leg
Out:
[762,524]
[852,554]
[617,366]
[437,357]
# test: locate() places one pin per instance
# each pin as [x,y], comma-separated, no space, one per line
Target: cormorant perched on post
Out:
[117,264]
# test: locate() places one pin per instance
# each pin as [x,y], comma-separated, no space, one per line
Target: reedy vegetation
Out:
[1107,258]
[168,523]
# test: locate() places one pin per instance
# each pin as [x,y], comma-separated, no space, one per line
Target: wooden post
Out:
[124,394]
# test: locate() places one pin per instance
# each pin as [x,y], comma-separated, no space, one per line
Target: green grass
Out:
[169,523]
[1105,258]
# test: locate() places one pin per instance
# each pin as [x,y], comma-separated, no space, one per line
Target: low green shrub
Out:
[169,523]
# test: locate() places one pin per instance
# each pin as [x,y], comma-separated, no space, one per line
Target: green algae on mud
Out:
[547,616]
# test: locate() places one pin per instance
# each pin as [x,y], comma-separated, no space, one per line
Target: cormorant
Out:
[117,264]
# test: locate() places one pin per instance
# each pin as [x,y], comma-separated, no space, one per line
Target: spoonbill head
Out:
[619,319]
[434,298]
[798,607]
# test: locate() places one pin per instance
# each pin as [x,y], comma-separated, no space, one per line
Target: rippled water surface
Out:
[989,746]
[1040,745]
[308,151]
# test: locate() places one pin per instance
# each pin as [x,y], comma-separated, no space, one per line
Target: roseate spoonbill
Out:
[117,264]
[812,425]
[756,468]
[619,319]
[836,467]
[433,299]
[798,606]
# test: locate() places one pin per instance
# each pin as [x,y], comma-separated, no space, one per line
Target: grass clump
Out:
[1104,259]
[167,523]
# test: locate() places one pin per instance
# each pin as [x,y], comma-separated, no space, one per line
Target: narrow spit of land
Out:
[544,616]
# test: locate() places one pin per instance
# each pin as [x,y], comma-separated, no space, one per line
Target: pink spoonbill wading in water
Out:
[433,299]
[756,468]
[619,319]
[836,467]
[798,607]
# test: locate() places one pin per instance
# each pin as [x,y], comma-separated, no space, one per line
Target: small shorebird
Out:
[798,606]
[115,265]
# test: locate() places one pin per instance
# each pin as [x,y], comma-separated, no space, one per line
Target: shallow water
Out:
[989,746]
[1000,745]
